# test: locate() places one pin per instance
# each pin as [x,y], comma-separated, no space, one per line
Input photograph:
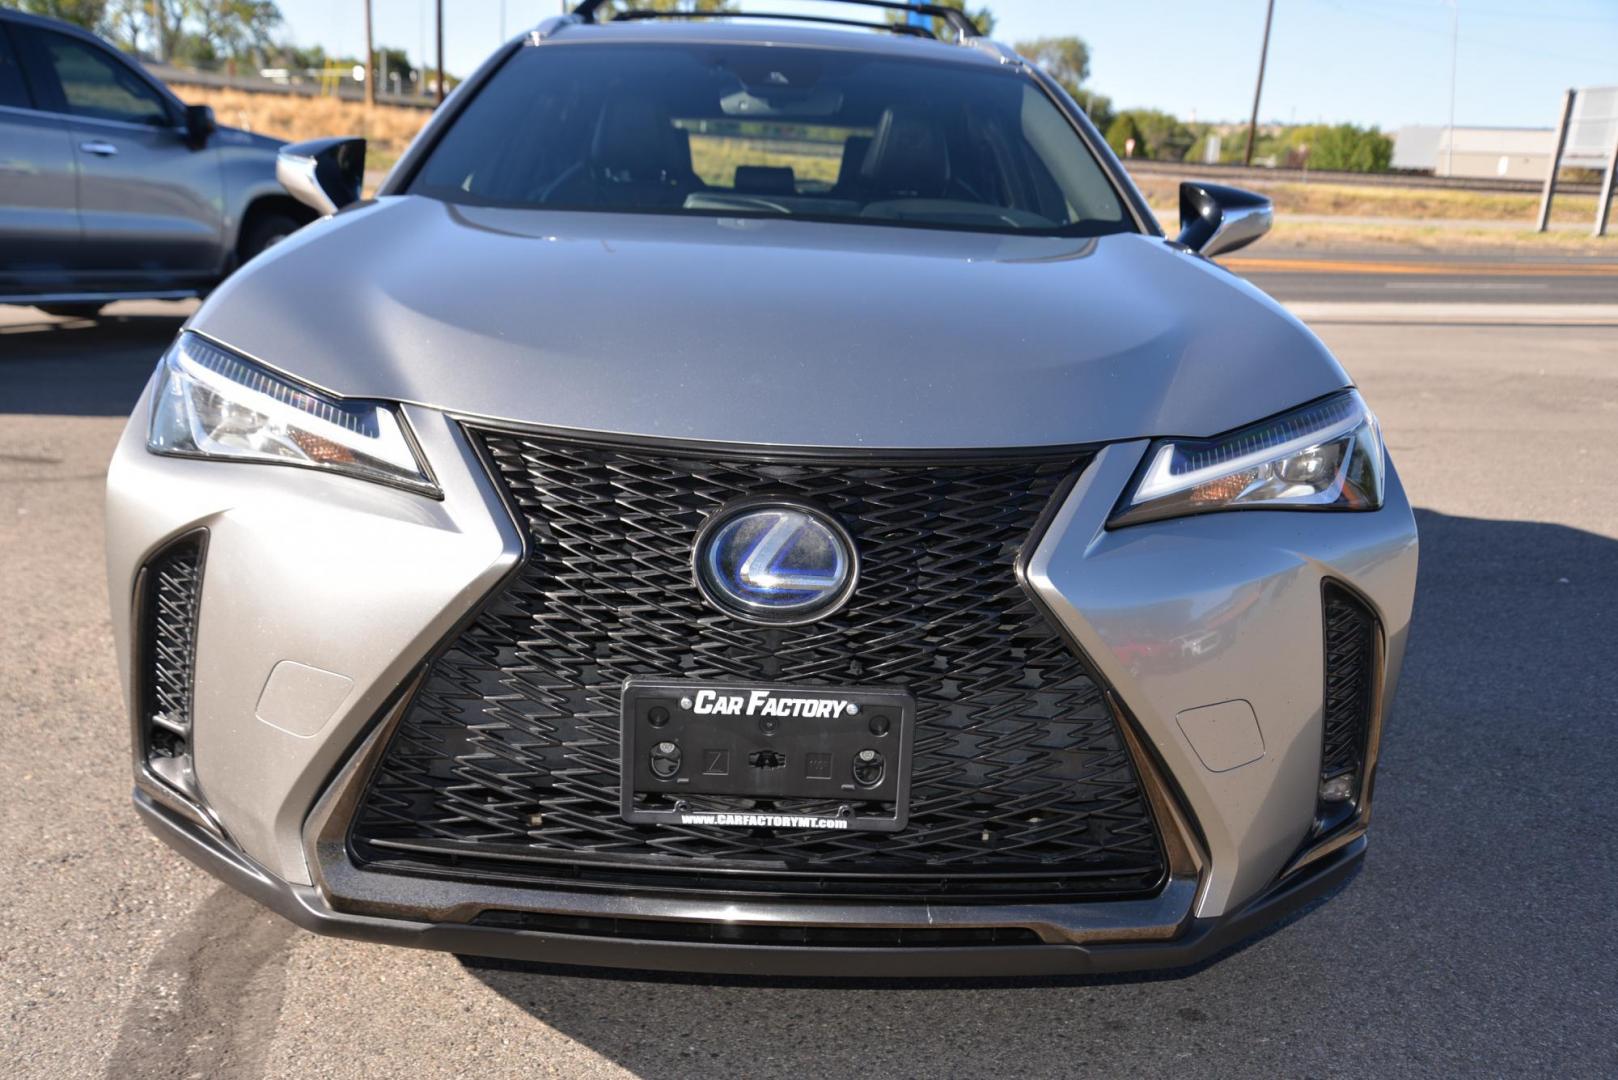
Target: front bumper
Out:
[363,582]
[1199,940]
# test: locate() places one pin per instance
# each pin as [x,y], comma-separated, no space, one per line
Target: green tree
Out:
[1067,60]
[1165,135]
[394,62]
[1098,107]
[1122,132]
[983,17]
[90,14]
[1230,146]
[237,27]
[1341,147]
[1157,135]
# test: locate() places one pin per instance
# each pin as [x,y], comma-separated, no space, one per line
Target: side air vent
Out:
[171,592]
[1352,645]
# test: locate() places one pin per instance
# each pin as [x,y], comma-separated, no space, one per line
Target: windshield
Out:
[753,130]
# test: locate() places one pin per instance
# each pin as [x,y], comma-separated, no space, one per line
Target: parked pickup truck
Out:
[111,187]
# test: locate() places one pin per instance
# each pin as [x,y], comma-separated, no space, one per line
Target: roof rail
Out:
[638,15]
[965,29]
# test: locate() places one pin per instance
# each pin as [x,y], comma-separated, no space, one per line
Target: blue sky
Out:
[1383,62]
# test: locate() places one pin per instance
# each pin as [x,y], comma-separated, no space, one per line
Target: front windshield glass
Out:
[728,130]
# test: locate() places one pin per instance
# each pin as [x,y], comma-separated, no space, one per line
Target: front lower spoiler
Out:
[309,908]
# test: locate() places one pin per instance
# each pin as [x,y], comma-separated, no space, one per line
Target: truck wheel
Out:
[268,231]
[72,311]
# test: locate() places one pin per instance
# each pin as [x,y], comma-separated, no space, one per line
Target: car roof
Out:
[978,51]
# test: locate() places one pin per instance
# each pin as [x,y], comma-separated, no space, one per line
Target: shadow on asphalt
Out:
[1477,939]
[80,367]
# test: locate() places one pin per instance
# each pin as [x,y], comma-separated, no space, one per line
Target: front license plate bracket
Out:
[766,755]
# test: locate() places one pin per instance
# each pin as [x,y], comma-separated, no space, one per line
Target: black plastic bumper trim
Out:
[306,907]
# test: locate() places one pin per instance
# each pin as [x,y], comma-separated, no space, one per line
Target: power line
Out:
[1258,90]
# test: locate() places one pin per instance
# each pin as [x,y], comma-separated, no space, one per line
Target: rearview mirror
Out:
[1215,219]
[325,174]
[199,124]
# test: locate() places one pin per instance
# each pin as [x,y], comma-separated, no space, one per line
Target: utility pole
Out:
[370,59]
[440,7]
[1258,91]
[162,32]
[1454,59]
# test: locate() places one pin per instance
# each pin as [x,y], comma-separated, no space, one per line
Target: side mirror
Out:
[199,124]
[1215,219]
[326,174]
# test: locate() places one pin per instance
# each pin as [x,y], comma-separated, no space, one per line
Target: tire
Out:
[72,311]
[266,232]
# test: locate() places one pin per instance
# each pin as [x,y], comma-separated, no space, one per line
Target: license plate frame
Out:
[765,742]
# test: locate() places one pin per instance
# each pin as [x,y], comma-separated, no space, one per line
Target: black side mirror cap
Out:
[199,124]
[325,174]
[1215,219]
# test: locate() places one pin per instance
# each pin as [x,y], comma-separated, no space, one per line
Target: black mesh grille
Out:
[1350,671]
[171,594]
[506,763]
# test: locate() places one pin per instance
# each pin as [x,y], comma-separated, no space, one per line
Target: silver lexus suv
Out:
[756,496]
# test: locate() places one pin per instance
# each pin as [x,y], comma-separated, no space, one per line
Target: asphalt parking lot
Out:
[1478,940]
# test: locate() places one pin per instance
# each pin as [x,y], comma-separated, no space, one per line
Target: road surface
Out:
[1479,940]
[1417,279]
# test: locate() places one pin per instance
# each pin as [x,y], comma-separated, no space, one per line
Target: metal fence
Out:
[346,90]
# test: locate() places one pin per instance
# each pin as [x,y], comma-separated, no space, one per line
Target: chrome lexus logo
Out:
[775,562]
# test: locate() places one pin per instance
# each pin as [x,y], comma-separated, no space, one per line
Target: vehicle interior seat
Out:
[855,147]
[638,150]
[766,180]
[908,158]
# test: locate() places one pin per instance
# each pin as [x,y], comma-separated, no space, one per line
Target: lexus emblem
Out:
[775,562]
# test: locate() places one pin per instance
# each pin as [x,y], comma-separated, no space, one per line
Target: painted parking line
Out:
[1454,313]
[1254,264]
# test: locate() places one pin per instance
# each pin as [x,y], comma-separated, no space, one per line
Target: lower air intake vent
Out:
[170,596]
[832,937]
[1351,661]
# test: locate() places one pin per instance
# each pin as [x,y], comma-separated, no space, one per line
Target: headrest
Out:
[855,147]
[908,156]
[634,140]
[766,180]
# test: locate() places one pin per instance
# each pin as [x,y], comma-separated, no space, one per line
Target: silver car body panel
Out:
[1199,611]
[769,332]
[350,578]
[39,207]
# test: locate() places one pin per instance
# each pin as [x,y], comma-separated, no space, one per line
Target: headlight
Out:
[211,403]
[1324,456]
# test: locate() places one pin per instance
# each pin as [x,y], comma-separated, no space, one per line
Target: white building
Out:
[1475,152]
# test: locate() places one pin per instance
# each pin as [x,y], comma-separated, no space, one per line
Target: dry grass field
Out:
[1423,219]
[389,128]
[1424,204]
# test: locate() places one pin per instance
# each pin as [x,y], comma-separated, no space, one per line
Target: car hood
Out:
[768,331]
[229,136]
